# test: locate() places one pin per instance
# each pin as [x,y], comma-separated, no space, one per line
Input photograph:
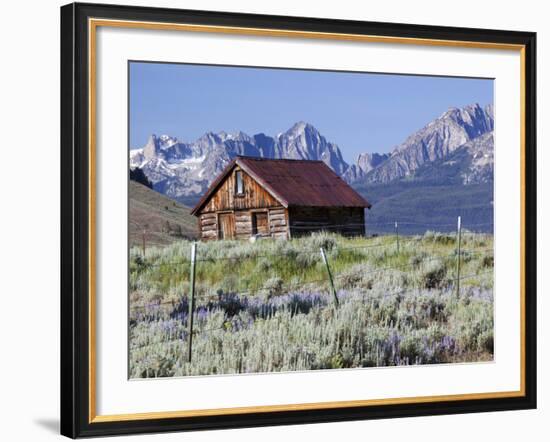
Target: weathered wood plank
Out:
[277,222]
[348,221]
[253,197]
[226,228]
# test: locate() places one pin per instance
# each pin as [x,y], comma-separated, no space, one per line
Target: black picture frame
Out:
[75,221]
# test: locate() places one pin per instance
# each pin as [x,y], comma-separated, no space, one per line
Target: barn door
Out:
[259,223]
[226,226]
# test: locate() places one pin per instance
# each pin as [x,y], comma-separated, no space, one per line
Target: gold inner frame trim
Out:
[298,34]
[93,24]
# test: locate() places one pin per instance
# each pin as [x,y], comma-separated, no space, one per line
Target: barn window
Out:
[239,184]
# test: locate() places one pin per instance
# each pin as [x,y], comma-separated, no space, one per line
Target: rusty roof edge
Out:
[221,177]
[241,161]
[281,160]
[368,205]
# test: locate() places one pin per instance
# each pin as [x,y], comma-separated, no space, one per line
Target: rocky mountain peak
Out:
[183,171]
[368,161]
[299,127]
[167,141]
[473,118]
[303,130]
[489,110]
[151,148]
[174,169]
[437,139]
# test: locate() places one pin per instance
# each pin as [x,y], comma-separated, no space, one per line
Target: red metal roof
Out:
[303,183]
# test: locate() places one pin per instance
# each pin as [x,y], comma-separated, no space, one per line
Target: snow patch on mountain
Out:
[183,171]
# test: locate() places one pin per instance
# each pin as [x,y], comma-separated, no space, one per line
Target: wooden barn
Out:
[278,199]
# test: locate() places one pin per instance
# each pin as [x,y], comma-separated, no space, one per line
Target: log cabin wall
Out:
[269,223]
[208,226]
[253,212]
[349,221]
[278,223]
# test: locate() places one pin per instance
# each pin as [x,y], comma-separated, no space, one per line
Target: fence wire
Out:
[227,326]
[184,232]
[180,305]
[290,253]
[288,287]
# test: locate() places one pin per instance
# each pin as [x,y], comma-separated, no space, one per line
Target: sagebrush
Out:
[267,306]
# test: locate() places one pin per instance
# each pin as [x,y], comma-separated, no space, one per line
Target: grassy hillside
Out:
[160,219]
[267,306]
[424,204]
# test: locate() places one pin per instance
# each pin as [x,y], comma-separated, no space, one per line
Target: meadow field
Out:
[268,306]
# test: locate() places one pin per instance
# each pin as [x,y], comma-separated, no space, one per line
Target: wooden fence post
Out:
[191,300]
[459,234]
[143,242]
[397,237]
[325,260]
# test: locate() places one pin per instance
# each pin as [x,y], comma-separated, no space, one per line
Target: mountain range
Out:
[184,171]
[455,149]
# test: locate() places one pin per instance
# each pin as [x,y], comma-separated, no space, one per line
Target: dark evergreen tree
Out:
[137,174]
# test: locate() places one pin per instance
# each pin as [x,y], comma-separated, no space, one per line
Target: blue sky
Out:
[361,112]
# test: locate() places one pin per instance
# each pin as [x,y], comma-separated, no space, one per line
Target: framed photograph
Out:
[274,220]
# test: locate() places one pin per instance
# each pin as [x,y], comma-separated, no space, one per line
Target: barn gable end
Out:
[226,214]
[225,197]
[278,199]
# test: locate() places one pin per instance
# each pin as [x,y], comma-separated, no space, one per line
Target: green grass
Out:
[239,266]
[396,308]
